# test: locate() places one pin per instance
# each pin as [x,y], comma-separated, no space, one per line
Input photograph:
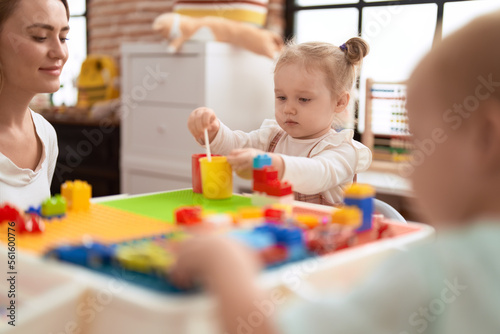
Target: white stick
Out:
[207,145]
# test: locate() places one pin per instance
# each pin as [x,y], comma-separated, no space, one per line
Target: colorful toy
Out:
[266,186]
[34,210]
[32,224]
[54,207]
[361,195]
[135,222]
[216,178]
[308,221]
[327,238]
[8,213]
[274,255]
[94,255]
[77,194]
[290,237]
[144,257]
[348,215]
[249,213]
[188,215]
[196,172]
[24,223]
[274,215]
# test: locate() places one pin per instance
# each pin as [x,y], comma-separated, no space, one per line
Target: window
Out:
[77,46]
[399,32]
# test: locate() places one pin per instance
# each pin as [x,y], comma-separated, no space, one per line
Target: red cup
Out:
[196,172]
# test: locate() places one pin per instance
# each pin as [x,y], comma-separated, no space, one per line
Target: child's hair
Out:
[339,63]
[7,8]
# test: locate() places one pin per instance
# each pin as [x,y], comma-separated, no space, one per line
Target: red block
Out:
[275,215]
[188,215]
[274,254]
[8,213]
[280,189]
[264,175]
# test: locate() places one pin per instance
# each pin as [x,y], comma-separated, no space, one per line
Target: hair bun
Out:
[357,49]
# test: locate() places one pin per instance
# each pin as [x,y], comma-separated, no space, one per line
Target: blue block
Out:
[254,239]
[288,236]
[366,206]
[297,252]
[261,161]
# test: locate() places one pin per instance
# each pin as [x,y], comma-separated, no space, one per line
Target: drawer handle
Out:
[161,129]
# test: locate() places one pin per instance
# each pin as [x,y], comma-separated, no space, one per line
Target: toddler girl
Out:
[313,83]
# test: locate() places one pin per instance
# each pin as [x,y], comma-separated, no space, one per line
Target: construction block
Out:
[54,207]
[274,215]
[265,175]
[361,196]
[8,213]
[348,215]
[34,210]
[252,212]
[308,221]
[33,224]
[261,161]
[188,215]
[77,194]
[279,189]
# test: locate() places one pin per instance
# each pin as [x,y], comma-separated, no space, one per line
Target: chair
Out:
[388,211]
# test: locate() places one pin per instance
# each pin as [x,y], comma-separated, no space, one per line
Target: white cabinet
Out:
[159,91]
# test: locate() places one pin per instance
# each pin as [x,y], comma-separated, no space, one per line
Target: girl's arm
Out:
[328,169]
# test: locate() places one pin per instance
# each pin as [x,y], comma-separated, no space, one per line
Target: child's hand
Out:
[212,261]
[228,270]
[201,119]
[241,161]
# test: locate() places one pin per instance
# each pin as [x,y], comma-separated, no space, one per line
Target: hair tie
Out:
[343,47]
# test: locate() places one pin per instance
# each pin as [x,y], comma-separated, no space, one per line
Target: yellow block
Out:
[359,190]
[77,194]
[348,215]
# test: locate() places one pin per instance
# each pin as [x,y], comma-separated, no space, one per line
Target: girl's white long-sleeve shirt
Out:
[25,187]
[333,161]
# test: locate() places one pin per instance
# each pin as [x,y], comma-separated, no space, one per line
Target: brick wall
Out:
[111,22]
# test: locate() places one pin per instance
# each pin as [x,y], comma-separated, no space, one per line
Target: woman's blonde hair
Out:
[340,64]
[7,8]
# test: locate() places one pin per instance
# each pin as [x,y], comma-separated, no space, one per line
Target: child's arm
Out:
[201,119]
[228,270]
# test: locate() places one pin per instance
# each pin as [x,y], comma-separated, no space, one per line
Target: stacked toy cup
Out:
[196,172]
[216,177]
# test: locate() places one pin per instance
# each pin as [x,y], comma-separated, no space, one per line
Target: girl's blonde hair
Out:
[340,64]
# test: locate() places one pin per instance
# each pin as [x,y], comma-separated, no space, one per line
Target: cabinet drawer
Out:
[160,132]
[169,78]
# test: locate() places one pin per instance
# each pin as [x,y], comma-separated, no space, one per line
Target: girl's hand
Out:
[201,119]
[241,160]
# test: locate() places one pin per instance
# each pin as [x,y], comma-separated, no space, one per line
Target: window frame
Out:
[291,9]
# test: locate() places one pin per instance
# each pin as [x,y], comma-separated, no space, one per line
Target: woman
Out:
[33,52]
